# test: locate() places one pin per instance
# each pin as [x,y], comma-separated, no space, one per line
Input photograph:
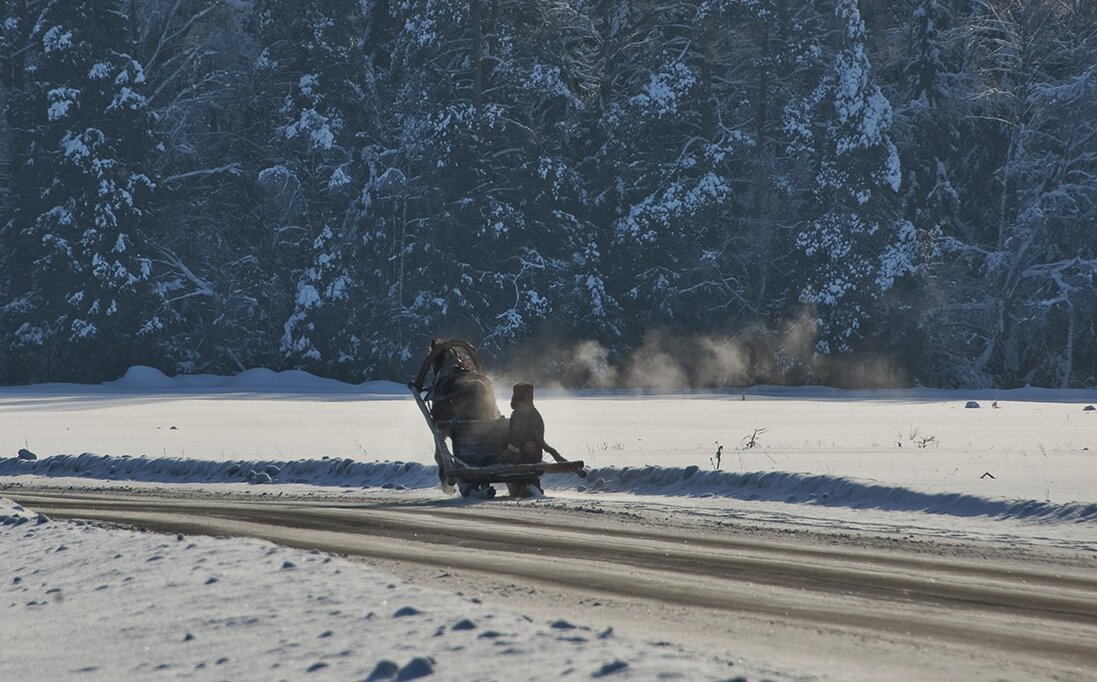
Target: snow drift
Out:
[833,491]
[319,472]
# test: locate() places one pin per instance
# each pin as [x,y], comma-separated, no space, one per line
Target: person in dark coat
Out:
[526,434]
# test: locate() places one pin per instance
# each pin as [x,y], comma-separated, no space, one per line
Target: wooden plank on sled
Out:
[501,472]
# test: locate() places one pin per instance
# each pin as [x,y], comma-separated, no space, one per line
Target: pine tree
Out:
[86,200]
[314,53]
[931,115]
[675,231]
[854,246]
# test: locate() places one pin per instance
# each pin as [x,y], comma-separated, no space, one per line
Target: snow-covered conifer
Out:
[854,244]
[85,196]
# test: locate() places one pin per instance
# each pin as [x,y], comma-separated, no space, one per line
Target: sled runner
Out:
[458,403]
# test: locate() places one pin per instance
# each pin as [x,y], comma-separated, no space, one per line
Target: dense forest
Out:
[830,191]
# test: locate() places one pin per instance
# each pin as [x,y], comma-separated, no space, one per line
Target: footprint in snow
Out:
[320,665]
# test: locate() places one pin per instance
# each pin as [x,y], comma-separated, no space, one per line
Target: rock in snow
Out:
[27,454]
[383,672]
[610,668]
[417,667]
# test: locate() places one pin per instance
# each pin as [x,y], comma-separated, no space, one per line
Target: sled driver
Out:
[526,434]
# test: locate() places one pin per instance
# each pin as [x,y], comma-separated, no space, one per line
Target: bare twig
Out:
[751,441]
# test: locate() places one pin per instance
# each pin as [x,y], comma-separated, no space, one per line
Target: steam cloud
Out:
[663,360]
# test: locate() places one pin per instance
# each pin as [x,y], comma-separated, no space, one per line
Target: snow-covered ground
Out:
[910,461]
[121,604]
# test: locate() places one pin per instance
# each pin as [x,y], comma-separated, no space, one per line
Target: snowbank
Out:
[319,472]
[832,491]
[689,482]
[12,514]
[141,379]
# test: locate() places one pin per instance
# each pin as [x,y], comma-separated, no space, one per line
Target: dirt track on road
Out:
[787,598]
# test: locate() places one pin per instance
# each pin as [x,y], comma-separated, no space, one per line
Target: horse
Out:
[459,389]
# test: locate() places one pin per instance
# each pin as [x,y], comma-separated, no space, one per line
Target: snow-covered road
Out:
[856,606]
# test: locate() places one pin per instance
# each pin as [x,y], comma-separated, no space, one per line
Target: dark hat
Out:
[523,393]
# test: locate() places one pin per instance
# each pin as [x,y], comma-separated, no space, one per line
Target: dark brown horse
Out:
[459,389]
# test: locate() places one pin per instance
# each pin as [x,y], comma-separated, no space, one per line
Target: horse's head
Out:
[448,361]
